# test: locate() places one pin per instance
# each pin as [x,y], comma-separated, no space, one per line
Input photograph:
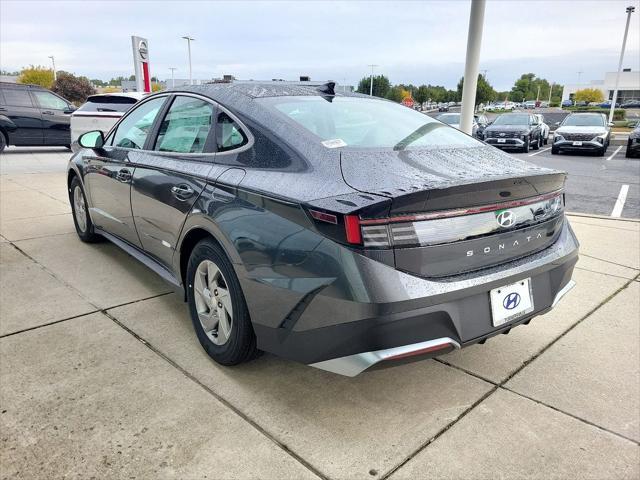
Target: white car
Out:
[101,112]
[544,127]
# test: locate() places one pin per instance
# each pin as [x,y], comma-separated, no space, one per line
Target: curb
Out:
[603,217]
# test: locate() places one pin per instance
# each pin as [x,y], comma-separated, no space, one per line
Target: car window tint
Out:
[229,135]
[134,129]
[186,126]
[107,103]
[17,97]
[49,100]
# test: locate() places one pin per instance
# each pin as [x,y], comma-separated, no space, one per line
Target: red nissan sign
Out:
[407,102]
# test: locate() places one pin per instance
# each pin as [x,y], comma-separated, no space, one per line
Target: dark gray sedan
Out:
[329,228]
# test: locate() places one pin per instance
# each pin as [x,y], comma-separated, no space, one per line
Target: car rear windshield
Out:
[514,119]
[365,123]
[107,103]
[584,121]
[449,118]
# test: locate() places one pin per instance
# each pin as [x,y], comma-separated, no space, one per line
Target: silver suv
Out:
[588,132]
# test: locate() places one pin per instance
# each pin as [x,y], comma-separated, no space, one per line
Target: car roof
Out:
[136,95]
[259,89]
[21,85]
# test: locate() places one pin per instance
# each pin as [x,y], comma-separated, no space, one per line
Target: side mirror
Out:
[557,124]
[93,139]
[70,109]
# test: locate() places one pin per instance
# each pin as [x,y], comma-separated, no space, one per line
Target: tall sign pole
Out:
[140,48]
[474,41]
[630,10]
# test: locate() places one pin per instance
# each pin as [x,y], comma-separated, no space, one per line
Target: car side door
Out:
[171,176]
[109,170]
[19,117]
[56,117]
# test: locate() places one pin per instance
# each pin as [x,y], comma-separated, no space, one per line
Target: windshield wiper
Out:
[416,135]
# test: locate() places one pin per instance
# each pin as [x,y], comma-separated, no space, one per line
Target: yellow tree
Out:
[37,75]
[589,95]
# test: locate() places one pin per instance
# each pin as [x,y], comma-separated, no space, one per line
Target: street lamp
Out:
[630,10]
[173,82]
[53,61]
[371,79]
[189,40]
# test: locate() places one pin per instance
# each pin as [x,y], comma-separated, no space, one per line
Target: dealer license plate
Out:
[502,140]
[577,144]
[511,302]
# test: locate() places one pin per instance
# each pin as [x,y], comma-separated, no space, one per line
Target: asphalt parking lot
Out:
[101,375]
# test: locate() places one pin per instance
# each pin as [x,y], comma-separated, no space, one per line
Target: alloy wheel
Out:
[80,209]
[213,302]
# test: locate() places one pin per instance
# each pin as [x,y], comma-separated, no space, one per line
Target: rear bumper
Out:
[406,314]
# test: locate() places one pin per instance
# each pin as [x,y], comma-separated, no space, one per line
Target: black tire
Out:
[537,147]
[627,152]
[3,142]
[525,147]
[546,141]
[87,234]
[602,151]
[555,151]
[240,346]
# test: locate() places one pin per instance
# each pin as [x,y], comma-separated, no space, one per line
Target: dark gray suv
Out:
[329,228]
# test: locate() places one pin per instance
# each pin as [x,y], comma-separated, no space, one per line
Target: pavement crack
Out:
[220,399]
[609,261]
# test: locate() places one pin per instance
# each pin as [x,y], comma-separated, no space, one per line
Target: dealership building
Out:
[628,88]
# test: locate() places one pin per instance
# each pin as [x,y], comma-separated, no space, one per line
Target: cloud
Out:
[417,42]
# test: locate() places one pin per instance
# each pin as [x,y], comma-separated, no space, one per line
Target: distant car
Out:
[586,132]
[514,131]
[633,144]
[453,119]
[607,104]
[530,104]
[631,104]
[101,112]
[443,107]
[543,127]
[32,116]
[584,103]
[567,103]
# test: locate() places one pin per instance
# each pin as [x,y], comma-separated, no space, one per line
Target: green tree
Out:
[589,95]
[73,88]
[530,87]
[381,86]
[37,75]
[422,94]
[484,91]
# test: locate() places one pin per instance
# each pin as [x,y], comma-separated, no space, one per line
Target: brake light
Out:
[352,227]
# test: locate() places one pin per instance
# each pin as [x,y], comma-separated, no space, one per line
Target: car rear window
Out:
[107,103]
[17,97]
[365,123]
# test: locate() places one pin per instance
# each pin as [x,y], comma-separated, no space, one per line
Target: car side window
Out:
[49,100]
[186,126]
[15,97]
[229,135]
[135,127]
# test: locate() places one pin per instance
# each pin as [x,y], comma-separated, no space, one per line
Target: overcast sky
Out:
[413,42]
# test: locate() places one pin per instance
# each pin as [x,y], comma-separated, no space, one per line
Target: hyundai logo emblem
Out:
[511,301]
[506,219]
[502,134]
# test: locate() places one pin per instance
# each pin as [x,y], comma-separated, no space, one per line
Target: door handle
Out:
[48,112]
[182,192]
[124,175]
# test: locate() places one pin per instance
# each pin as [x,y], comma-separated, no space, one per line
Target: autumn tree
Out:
[37,75]
[75,89]
[589,95]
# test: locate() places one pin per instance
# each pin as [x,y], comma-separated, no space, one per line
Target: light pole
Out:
[173,82]
[630,10]
[474,40]
[550,91]
[53,61]
[538,94]
[189,40]
[371,79]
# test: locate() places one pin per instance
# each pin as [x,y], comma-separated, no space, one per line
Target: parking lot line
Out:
[539,152]
[622,197]
[614,153]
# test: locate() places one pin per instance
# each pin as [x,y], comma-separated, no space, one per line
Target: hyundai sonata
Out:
[330,228]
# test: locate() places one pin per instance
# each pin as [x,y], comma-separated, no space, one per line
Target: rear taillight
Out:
[344,228]
[352,228]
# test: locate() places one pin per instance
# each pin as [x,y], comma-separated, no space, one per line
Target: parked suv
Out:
[515,131]
[31,115]
[584,132]
[329,228]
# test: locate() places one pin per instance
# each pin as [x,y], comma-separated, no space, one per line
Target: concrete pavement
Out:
[101,375]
